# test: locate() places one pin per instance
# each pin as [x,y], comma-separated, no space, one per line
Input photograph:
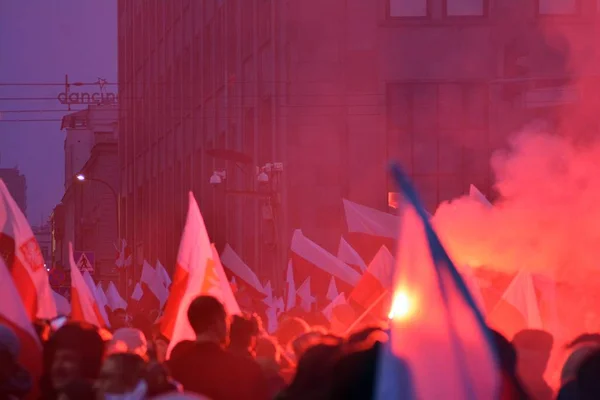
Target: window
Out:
[558,7]
[408,8]
[466,8]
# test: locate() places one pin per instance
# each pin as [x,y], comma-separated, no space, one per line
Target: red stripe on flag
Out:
[25,287]
[77,313]
[178,288]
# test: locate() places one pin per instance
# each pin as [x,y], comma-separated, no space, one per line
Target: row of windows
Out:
[474,8]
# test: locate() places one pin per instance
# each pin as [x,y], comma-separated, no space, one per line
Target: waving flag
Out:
[198,272]
[123,258]
[22,256]
[164,275]
[347,254]
[14,316]
[84,307]
[369,229]
[439,344]
[114,299]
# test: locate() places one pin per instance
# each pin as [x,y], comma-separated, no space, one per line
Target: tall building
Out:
[17,186]
[89,208]
[43,235]
[332,89]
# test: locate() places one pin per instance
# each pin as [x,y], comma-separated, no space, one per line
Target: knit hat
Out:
[9,342]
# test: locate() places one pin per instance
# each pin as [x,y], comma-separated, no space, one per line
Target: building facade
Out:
[17,186]
[43,235]
[333,90]
[88,213]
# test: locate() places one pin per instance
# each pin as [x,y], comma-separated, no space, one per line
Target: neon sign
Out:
[99,97]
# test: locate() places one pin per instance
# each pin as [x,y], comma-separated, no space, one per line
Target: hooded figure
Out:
[15,382]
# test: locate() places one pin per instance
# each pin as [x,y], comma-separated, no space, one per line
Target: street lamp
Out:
[82,178]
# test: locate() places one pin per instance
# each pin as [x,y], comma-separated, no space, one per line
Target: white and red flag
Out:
[347,254]
[164,275]
[14,315]
[439,343]
[312,261]
[114,299]
[124,257]
[154,289]
[84,306]
[369,229]
[22,255]
[198,272]
[373,291]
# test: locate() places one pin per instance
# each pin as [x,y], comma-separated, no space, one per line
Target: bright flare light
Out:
[401,306]
[80,177]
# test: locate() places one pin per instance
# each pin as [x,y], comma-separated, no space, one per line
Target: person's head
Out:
[10,346]
[128,340]
[588,384]
[267,348]
[289,329]
[243,332]
[74,352]
[310,339]
[314,374]
[121,374]
[533,351]
[119,319]
[363,334]
[208,318]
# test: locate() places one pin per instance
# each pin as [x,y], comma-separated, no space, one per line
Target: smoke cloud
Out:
[546,218]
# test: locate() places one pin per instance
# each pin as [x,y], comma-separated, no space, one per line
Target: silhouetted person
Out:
[242,335]
[314,374]
[533,352]
[119,319]
[511,387]
[206,367]
[588,377]
[73,353]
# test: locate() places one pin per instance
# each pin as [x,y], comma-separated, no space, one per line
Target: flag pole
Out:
[367,311]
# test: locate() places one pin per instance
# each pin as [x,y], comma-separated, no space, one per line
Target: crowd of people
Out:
[234,358]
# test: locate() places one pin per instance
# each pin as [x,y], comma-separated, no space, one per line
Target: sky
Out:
[40,42]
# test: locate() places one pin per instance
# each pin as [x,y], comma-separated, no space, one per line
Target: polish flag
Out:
[123,258]
[14,316]
[518,308]
[332,291]
[114,299]
[350,256]
[84,307]
[164,275]
[337,301]
[133,304]
[155,292]
[22,255]
[476,195]
[311,260]
[439,343]
[369,229]
[235,266]
[89,281]
[208,281]
[63,307]
[305,297]
[377,281]
[101,296]
[198,271]
[290,287]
